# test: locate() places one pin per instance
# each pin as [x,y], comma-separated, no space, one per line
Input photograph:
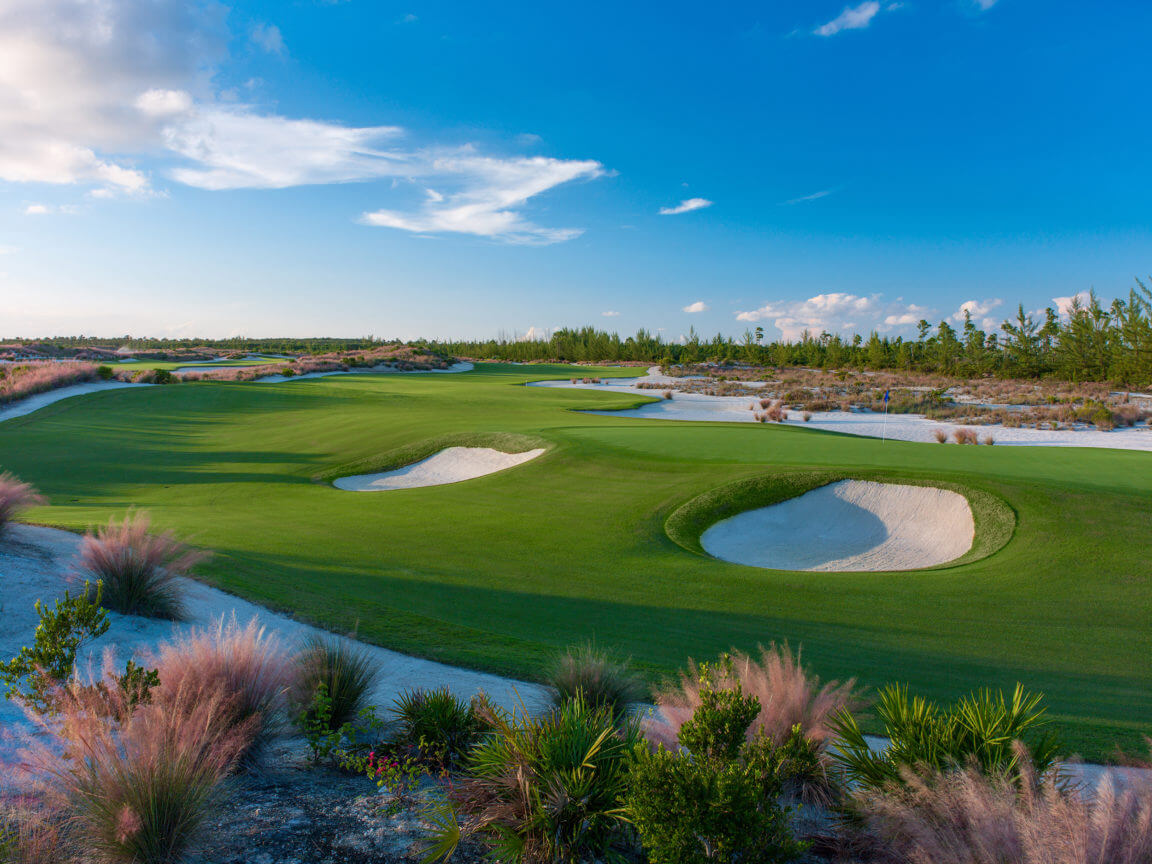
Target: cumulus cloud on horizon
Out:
[693,308]
[835,312]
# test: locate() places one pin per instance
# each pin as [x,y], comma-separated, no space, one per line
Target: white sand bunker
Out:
[450,465]
[849,525]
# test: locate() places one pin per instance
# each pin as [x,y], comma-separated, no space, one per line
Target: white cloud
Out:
[37,210]
[980,311]
[489,191]
[815,196]
[686,206]
[698,306]
[852,18]
[268,38]
[1064,304]
[535,334]
[983,5]
[835,312]
[126,80]
[610,314]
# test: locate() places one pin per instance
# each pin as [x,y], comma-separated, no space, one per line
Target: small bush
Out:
[347,672]
[599,678]
[807,416]
[996,735]
[542,789]
[667,394]
[244,669]
[105,373]
[940,435]
[965,436]
[989,439]
[787,695]
[163,376]
[138,569]
[435,727]
[16,497]
[720,801]
[34,676]
[967,817]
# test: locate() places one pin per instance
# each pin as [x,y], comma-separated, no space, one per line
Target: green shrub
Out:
[545,788]
[104,373]
[435,727]
[32,676]
[980,730]
[347,673]
[719,801]
[599,677]
[163,376]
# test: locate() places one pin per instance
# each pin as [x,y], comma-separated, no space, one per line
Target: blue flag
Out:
[885,397]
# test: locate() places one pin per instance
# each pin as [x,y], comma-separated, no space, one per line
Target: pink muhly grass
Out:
[244,666]
[16,497]
[139,569]
[965,817]
[941,436]
[29,834]
[19,381]
[138,781]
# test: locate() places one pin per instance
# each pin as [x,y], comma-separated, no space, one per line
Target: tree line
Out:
[1092,342]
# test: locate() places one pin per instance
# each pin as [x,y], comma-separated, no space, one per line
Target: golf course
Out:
[598,537]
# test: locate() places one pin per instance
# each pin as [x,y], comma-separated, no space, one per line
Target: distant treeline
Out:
[1092,343]
[238,344]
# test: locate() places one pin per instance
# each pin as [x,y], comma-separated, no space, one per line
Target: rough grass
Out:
[503,573]
[597,676]
[348,671]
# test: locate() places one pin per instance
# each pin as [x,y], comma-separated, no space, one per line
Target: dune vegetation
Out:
[502,572]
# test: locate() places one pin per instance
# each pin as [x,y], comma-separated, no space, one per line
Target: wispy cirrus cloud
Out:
[852,18]
[686,206]
[815,196]
[268,38]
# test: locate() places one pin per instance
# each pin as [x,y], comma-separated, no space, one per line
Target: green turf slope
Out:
[502,571]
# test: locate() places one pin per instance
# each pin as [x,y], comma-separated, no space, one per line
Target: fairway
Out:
[501,571]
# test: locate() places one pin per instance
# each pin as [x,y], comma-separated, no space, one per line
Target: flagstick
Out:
[884,425]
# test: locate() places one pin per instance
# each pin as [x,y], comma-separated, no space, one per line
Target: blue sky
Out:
[462,169]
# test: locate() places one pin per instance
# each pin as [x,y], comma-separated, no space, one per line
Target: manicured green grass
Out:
[170,365]
[504,571]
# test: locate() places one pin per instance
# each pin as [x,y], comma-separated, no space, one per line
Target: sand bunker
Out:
[450,465]
[849,525]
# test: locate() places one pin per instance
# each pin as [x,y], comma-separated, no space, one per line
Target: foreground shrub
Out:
[139,569]
[435,728]
[345,671]
[997,736]
[33,677]
[244,670]
[139,779]
[787,695]
[601,679]
[967,817]
[720,801]
[543,788]
[16,497]
[29,835]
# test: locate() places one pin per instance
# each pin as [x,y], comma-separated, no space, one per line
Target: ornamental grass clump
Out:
[16,497]
[245,669]
[542,789]
[140,570]
[347,672]
[598,677]
[991,733]
[970,817]
[436,728]
[787,694]
[139,779]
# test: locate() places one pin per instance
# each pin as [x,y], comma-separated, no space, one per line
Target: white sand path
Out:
[450,465]
[897,427]
[36,564]
[849,525]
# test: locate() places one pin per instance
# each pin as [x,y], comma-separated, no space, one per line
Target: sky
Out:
[185,168]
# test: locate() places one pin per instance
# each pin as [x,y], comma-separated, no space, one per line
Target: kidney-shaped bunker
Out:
[450,465]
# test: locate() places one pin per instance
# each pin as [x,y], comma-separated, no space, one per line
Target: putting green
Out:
[501,571]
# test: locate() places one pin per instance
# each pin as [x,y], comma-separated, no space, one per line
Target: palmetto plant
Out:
[980,731]
[543,789]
